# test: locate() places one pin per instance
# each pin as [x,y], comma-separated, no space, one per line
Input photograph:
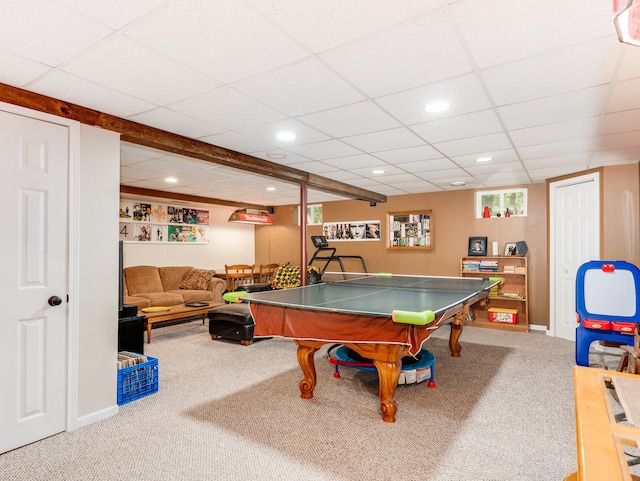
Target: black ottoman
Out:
[232,321]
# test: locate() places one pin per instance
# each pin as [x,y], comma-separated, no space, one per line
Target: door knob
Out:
[54,301]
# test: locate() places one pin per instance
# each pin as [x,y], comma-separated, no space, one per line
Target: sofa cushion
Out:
[162,298]
[172,276]
[141,279]
[197,279]
[190,296]
[139,302]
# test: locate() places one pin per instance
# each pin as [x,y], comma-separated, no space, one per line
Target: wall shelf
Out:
[410,230]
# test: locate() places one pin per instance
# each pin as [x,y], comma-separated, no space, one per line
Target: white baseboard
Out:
[535,327]
[97,416]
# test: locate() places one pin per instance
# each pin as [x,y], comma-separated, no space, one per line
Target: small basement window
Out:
[314,214]
[498,201]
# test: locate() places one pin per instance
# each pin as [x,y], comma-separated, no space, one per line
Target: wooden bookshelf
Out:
[510,296]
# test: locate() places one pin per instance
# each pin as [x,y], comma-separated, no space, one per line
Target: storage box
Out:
[137,381]
[504,316]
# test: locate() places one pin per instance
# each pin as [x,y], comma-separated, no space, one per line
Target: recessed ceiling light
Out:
[271,188]
[377,171]
[171,180]
[276,155]
[285,136]
[457,184]
[434,107]
[484,159]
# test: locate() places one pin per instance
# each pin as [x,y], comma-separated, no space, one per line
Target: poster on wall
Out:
[162,223]
[141,212]
[182,233]
[358,230]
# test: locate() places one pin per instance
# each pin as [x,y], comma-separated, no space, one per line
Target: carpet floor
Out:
[502,411]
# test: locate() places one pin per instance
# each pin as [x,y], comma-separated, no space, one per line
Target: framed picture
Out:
[478,246]
[510,249]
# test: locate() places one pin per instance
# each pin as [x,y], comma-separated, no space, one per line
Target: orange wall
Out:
[453,222]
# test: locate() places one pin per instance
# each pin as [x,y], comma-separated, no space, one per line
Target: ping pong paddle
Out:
[411,317]
[234,296]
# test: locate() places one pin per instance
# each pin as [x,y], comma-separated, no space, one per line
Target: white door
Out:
[575,239]
[33,354]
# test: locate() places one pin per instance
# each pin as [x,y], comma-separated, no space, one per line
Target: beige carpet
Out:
[502,411]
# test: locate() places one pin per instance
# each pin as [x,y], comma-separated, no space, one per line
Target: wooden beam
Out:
[126,189]
[166,141]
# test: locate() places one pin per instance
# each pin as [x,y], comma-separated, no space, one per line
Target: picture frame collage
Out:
[162,223]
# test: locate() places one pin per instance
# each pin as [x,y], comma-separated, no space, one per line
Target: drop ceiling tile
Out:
[416,187]
[328,149]
[616,155]
[401,178]
[342,175]
[316,25]
[84,93]
[521,28]
[349,120]
[621,122]
[228,108]
[170,121]
[128,67]
[19,71]
[313,167]
[114,13]
[132,173]
[557,148]
[558,108]
[451,128]
[399,156]
[427,165]
[630,67]
[267,133]
[497,179]
[445,182]
[625,96]
[47,32]
[541,175]
[482,143]
[368,172]
[546,162]
[571,68]
[384,140]
[226,40]
[497,156]
[290,157]
[235,141]
[300,88]
[555,132]
[464,94]
[624,140]
[479,170]
[444,174]
[420,51]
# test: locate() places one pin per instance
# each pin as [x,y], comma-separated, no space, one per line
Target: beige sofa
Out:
[150,286]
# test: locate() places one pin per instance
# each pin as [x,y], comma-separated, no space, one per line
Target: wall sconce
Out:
[251,216]
[627,21]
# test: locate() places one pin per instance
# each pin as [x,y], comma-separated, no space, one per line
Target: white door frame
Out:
[553,187]
[72,252]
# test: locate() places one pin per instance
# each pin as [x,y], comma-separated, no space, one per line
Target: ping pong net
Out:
[411,282]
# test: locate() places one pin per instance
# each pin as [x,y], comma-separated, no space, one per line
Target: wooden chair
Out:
[266,272]
[238,274]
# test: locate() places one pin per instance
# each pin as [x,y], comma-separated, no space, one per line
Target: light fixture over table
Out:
[251,216]
[627,21]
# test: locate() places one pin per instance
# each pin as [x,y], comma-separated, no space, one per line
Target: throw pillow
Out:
[197,279]
[286,276]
